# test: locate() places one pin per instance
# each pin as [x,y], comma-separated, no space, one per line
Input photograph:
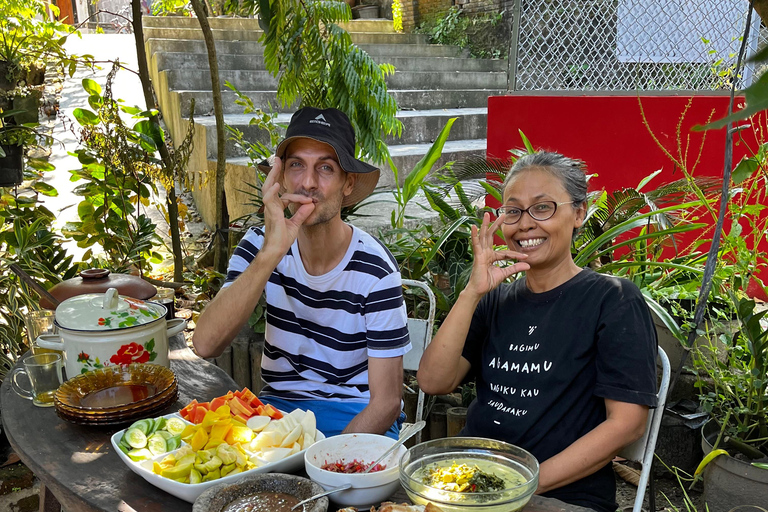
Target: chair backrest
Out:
[420,333]
[642,449]
[419,330]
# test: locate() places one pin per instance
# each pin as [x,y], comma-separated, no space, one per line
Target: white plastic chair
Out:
[642,450]
[420,332]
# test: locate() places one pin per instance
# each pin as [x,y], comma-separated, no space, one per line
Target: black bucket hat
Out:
[332,127]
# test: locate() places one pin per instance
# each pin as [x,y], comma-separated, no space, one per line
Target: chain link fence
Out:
[621,45]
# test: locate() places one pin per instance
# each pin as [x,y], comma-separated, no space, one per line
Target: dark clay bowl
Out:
[217,497]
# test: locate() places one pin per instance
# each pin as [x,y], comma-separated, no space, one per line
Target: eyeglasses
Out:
[539,211]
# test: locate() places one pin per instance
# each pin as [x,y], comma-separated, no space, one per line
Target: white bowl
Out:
[367,489]
[190,492]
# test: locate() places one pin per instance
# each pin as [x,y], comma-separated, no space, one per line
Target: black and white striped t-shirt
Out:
[322,329]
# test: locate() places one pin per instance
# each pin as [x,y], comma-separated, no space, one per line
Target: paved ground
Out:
[105,48]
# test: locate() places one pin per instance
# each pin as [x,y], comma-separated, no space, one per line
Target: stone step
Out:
[404,157]
[261,80]
[254,35]
[410,99]
[357,25]
[183,60]
[419,127]
[155,45]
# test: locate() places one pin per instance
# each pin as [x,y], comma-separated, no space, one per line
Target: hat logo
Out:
[320,119]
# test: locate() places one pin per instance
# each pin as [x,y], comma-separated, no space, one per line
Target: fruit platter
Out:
[215,442]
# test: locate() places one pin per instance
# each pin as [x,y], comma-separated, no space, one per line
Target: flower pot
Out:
[729,482]
[365,11]
[437,421]
[457,419]
[98,330]
[12,166]
[30,107]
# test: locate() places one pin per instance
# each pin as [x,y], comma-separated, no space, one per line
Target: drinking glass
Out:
[44,374]
[37,323]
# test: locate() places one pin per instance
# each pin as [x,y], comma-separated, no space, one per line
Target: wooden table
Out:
[76,464]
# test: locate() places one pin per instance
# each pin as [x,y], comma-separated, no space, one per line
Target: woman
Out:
[564,357]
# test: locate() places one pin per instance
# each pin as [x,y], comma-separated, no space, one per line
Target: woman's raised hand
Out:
[486,275]
[279,231]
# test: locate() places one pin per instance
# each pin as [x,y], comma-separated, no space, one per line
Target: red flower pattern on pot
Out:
[131,353]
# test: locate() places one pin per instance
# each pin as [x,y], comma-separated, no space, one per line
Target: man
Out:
[336,321]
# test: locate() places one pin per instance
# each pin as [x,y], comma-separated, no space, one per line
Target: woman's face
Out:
[546,242]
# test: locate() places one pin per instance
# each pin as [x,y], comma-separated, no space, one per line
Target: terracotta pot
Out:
[98,330]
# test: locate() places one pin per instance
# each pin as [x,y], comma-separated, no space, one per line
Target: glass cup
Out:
[166,296]
[44,374]
[37,323]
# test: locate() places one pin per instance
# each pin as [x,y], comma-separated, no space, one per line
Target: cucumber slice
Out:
[172,443]
[152,426]
[166,435]
[175,425]
[156,444]
[159,423]
[143,425]
[135,437]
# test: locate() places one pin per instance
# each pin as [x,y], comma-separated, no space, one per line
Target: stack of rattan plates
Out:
[116,394]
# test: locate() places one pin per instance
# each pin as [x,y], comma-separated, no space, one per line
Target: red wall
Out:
[609,134]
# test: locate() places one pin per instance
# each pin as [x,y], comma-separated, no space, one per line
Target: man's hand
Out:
[280,232]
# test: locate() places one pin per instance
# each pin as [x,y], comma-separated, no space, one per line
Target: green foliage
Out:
[736,393]
[170,7]
[317,64]
[482,34]
[415,178]
[25,40]
[118,171]
[28,240]
[27,135]
[756,96]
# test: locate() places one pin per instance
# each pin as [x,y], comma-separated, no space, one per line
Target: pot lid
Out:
[106,312]
[99,280]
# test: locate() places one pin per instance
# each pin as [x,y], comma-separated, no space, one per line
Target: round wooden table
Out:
[79,470]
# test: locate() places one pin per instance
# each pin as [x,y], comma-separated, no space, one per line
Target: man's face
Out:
[311,168]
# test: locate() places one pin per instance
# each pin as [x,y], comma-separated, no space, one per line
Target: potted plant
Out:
[734,394]
[366,10]
[14,138]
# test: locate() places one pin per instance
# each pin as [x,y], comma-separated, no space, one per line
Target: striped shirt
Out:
[322,329]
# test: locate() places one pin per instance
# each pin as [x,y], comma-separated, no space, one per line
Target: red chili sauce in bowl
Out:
[356,466]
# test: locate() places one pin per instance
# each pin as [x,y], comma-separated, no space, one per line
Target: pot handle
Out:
[110,299]
[50,341]
[175,326]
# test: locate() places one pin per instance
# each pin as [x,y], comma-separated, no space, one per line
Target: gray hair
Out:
[570,172]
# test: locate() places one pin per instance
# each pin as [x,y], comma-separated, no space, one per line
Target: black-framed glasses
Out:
[539,211]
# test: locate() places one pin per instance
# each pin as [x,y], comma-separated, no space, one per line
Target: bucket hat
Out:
[332,127]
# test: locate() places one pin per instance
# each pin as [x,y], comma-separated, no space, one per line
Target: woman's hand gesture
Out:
[486,275]
[279,231]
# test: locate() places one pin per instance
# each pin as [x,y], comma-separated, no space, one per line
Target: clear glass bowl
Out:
[493,456]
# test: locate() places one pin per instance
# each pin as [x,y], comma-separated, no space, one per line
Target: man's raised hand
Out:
[279,231]
[486,275]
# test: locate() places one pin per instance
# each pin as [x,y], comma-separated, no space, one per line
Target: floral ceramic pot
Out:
[107,329]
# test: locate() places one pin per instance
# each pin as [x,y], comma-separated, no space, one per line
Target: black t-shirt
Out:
[545,362]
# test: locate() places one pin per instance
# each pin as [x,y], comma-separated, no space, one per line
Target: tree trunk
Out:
[222,217]
[165,157]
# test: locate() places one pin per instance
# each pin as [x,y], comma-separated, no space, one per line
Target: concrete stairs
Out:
[431,84]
